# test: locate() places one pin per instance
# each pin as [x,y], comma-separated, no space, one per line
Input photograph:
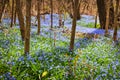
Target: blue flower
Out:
[13,63]
[57,67]
[12,78]
[114,67]
[21,58]
[108,66]
[77,45]
[8,63]
[51,60]
[7,75]
[103,75]
[50,54]
[117,62]
[40,58]
[29,57]
[1,77]
[98,78]
[37,53]
[118,53]
[51,67]
[7,42]
[43,54]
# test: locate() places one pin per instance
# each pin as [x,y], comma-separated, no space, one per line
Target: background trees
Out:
[108,15]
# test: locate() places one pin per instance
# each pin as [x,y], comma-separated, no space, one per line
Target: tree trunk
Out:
[96,20]
[15,15]
[51,3]
[78,12]
[28,25]
[75,6]
[60,19]
[43,9]
[107,17]
[111,15]
[12,16]
[102,13]
[115,21]
[2,7]
[21,19]
[60,13]
[38,16]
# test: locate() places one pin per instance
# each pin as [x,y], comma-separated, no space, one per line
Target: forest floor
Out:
[94,58]
[83,25]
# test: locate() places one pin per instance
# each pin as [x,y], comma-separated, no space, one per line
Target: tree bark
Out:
[102,13]
[60,13]
[21,19]
[96,20]
[107,17]
[111,15]
[75,6]
[115,20]
[28,25]
[15,14]
[2,7]
[38,16]
[51,3]
[12,16]
[71,7]
[78,12]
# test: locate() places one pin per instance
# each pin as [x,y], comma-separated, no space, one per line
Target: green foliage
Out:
[89,25]
[97,59]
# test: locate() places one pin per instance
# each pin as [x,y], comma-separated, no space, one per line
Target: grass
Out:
[89,25]
[97,59]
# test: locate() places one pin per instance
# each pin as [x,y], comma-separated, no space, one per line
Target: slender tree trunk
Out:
[70,9]
[51,3]
[2,7]
[107,17]
[21,19]
[43,10]
[115,20]
[96,20]
[75,2]
[15,13]
[12,16]
[38,16]
[111,15]
[60,19]
[78,11]
[28,25]
[60,14]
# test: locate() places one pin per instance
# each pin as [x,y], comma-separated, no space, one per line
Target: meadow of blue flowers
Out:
[92,59]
